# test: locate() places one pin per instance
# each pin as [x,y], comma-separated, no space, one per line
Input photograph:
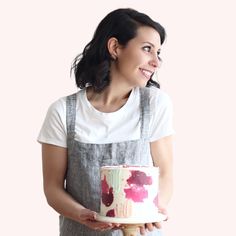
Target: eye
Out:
[158,56]
[147,48]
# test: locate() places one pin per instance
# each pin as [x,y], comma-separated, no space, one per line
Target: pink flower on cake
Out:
[137,192]
[111,213]
[107,193]
[139,178]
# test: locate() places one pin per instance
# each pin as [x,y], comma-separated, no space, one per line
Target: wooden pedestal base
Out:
[131,229]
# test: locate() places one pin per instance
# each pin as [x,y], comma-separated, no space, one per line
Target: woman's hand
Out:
[54,171]
[88,218]
[152,226]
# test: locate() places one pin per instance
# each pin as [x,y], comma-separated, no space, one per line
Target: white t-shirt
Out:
[93,126]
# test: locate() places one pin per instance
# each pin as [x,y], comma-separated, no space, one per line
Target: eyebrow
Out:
[152,45]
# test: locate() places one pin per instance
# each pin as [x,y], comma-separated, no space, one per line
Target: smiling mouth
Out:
[146,73]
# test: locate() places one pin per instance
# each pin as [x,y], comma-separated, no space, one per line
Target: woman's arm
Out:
[162,155]
[54,170]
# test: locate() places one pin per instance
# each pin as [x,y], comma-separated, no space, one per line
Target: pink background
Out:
[39,40]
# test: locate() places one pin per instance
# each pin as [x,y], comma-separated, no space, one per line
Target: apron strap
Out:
[145,112]
[70,116]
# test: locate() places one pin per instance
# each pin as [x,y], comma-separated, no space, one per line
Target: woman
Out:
[119,116]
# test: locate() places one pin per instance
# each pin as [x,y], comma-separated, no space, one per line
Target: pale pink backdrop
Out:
[39,40]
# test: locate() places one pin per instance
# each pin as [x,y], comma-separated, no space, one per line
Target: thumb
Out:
[87,214]
[163,211]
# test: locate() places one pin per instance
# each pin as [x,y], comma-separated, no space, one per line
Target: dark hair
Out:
[92,67]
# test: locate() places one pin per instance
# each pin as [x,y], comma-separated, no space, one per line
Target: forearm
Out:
[162,154]
[165,189]
[63,203]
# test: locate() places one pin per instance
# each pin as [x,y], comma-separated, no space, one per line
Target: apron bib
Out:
[85,160]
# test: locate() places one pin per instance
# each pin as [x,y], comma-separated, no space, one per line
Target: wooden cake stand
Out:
[130,227]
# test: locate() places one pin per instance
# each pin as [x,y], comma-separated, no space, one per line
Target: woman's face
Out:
[138,60]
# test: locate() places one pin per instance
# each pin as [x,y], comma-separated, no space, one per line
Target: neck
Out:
[111,99]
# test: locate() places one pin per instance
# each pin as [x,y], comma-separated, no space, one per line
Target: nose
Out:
[155,62]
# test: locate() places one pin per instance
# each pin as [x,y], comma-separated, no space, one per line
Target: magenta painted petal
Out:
[111,213]
[107,193]
[139,178]
[136,193]
[105,186]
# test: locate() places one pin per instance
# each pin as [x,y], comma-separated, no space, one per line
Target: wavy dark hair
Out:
[92,66]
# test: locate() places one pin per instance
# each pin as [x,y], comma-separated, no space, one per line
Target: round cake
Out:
[129,194]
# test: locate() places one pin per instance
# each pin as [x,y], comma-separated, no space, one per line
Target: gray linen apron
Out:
[85,160]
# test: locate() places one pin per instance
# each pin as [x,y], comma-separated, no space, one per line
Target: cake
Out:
[129,194]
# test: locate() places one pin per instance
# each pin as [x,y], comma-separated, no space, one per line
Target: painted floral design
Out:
[136,182]
[107,193]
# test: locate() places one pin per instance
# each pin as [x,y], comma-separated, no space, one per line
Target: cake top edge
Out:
[129,167]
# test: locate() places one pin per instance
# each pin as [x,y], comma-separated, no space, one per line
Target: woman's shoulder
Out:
[159,98]
[59,105]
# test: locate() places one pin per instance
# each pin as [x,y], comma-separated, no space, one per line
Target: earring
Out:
[114,58]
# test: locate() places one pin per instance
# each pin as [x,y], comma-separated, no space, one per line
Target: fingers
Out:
[116,226]
[149,227]
[99,226]
[157,225]
[152,226]
[96,225]
[142,230]
[88,218]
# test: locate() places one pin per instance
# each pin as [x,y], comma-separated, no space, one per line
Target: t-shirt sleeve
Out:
[53,130]
[161,120]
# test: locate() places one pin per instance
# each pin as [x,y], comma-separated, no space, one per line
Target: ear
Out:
[112,46]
